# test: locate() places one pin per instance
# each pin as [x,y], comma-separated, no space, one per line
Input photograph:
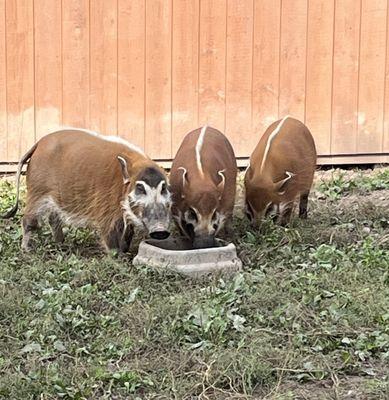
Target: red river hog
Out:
[281,170]
[81,178]
[203,183]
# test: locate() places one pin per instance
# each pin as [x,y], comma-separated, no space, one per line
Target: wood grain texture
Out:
[212,63]
[3,86]
[345,77]
[48,66]
[158,78]
[319,72]
[103,66]
[131,71]
[20,77]
[371,76]
[151,71]
[185,66]
[266,64]
[75,63]
[385,137]
[293,58]
[239,75]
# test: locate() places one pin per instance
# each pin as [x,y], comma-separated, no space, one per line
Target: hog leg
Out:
[303,209]
[285,213]
[126,238]
[119,237]
[56,227]
[227,232]
[29,224]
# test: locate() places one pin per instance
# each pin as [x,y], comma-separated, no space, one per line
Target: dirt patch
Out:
[350,388]
[379,198]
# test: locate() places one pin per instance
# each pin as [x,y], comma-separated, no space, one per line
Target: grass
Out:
[307,318]
[340,184]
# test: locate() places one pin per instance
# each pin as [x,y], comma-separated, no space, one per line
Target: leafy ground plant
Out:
[307,318]
[341,182]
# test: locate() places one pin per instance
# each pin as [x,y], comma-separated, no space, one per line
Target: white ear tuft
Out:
[280,184]
[123,165]
[184,173]
[223,181]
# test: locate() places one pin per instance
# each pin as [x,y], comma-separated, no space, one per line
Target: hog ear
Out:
[248,174]
[123,165]
[184,176]
[280,185]
[220,186]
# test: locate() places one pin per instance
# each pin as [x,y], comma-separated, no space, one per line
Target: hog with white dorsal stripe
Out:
[281,170]
[82,178]
[203,184]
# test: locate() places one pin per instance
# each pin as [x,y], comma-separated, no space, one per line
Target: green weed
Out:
[308,315]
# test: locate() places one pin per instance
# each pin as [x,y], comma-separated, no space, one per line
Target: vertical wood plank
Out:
[103,66]
[158,78]
[131,71]
[266,63]
[293,58]
[3,86]
[184,69]
[239,75]
[212,67]
[319,72]
[48,69]
[385,138]
[75,63]
[345,77]
[371,76]
[20,77]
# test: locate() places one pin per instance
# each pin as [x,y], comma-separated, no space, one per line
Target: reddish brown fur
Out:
[292,150]
[204,192]
[81,174]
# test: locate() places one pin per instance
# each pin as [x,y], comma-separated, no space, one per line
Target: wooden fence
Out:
[152,70]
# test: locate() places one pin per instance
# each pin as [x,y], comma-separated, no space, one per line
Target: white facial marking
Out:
[112,139]
[151,196]
[199,145]
[269,141]
[285,206]
[205,224]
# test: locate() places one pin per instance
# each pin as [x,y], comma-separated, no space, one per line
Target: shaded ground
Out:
[308,318]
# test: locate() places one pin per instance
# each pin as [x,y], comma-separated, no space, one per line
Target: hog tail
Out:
[11,213]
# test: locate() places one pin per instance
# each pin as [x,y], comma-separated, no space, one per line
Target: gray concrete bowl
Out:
[178,255]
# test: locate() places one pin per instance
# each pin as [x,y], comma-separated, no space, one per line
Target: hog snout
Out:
[156,220]
[159,235]
[203,242]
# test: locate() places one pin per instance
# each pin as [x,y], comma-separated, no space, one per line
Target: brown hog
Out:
[203,179]
[281,169]
[82,178]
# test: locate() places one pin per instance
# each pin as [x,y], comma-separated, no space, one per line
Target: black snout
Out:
[204,242]
[159,235]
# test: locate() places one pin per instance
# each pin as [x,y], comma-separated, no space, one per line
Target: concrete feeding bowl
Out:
[177,254]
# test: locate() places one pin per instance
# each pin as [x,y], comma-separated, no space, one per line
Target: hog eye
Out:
[192,214]
[164,189]
[140,189]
